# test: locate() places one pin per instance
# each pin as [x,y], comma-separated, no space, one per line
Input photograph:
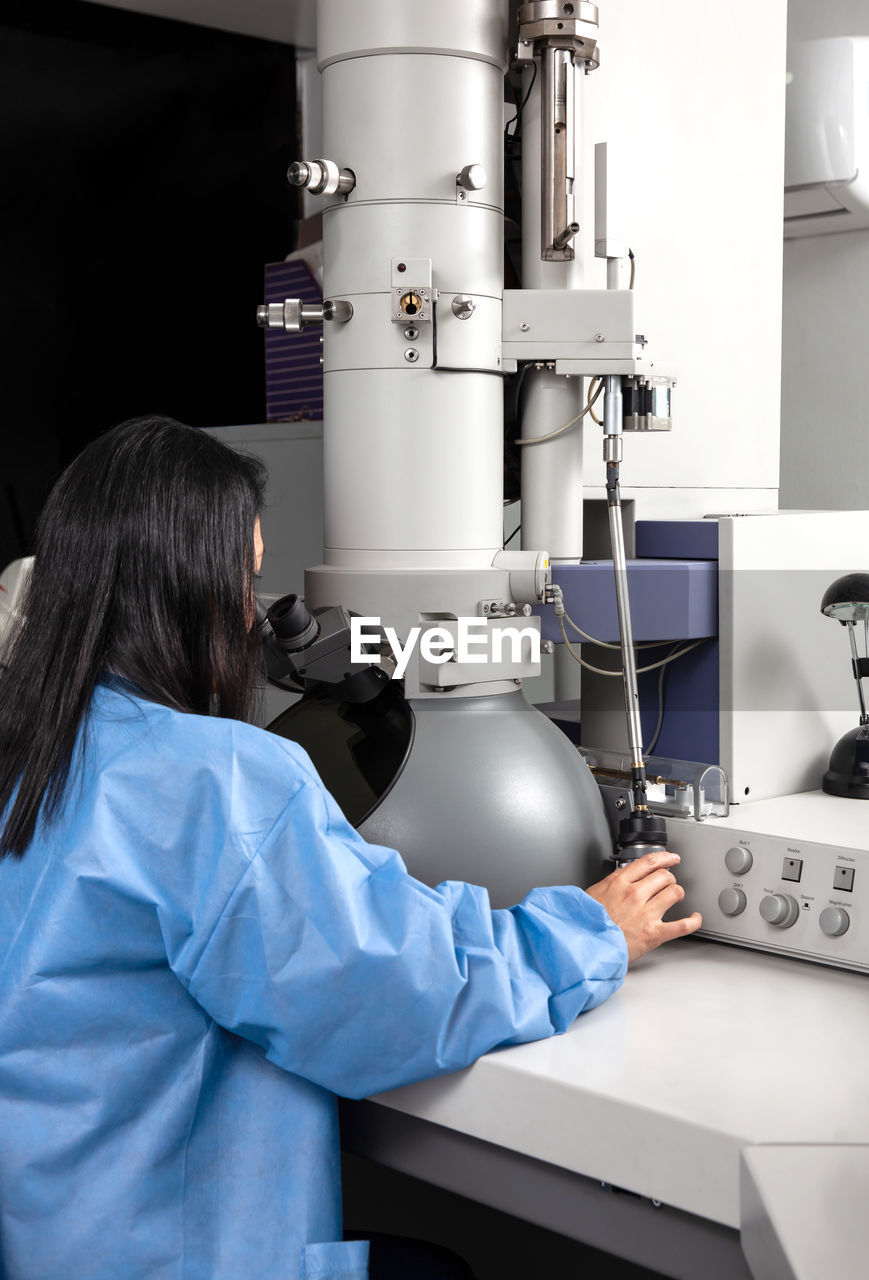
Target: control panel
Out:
[780,892]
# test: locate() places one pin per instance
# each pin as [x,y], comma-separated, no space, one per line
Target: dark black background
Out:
[142,188]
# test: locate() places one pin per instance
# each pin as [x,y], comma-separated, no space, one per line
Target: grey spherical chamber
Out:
[493,793]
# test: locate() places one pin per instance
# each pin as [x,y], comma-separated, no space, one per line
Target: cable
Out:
[600,671]
[516,389]
[589,401]
[559,431]
[659,723]
[633,268]
[518,116]
[608,644]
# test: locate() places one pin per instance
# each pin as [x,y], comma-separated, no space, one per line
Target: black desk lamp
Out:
[847,600]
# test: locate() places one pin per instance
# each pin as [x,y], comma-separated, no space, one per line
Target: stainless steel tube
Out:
[612,421]
[558,150]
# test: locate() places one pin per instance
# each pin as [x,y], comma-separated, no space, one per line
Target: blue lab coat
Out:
[194,959]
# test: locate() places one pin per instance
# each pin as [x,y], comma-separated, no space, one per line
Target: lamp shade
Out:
[847,599]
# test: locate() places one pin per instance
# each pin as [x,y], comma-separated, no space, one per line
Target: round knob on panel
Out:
[834,921]
[732,901]
[738,860]
[779,909]
[472,177]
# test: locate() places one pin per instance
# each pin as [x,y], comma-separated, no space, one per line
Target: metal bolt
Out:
[411,333]
[621,803]
[525,326]
[485,608]
[598,337]
[411,355]
[548,646]
[519,682]
[463,306]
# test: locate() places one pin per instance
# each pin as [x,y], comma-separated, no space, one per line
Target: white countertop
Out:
[807,816]
[804,1212]
[705,1050]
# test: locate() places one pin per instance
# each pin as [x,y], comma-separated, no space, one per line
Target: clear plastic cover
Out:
[679,788]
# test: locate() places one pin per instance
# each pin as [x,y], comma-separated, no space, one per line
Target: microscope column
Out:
[413,453]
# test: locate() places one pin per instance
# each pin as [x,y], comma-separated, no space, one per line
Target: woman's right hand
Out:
[638,895]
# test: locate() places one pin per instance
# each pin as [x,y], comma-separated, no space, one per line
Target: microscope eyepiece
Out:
[293,626]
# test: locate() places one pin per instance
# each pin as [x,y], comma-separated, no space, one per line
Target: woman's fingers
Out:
[649,862]
[671,929]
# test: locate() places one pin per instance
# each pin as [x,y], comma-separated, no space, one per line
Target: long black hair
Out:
[144,569]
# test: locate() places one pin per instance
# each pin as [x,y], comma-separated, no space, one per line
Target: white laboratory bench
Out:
[706,1052]
[804,1212]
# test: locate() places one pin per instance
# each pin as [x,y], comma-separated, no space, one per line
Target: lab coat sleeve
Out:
[358,977]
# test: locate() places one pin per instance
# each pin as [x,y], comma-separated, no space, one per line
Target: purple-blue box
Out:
[294,375]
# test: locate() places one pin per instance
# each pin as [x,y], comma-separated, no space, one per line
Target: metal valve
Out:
[293,315]
[321,177]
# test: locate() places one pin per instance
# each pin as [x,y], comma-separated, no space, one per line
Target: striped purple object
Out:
[294,377]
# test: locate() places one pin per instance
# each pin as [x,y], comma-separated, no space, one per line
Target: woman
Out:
[197,951]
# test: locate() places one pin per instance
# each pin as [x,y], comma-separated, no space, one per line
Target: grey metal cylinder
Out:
[552,472]
[412,100]
[473,28]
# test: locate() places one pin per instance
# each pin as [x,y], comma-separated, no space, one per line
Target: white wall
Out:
[825,338]
[700,106]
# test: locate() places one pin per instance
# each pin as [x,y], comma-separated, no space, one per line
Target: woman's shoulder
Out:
[122,721]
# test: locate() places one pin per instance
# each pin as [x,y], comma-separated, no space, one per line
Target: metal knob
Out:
[738,860]
[321,177]
[463,306]
[780,910]
[834,921]
[264,314]
[473,177]
[732,902]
